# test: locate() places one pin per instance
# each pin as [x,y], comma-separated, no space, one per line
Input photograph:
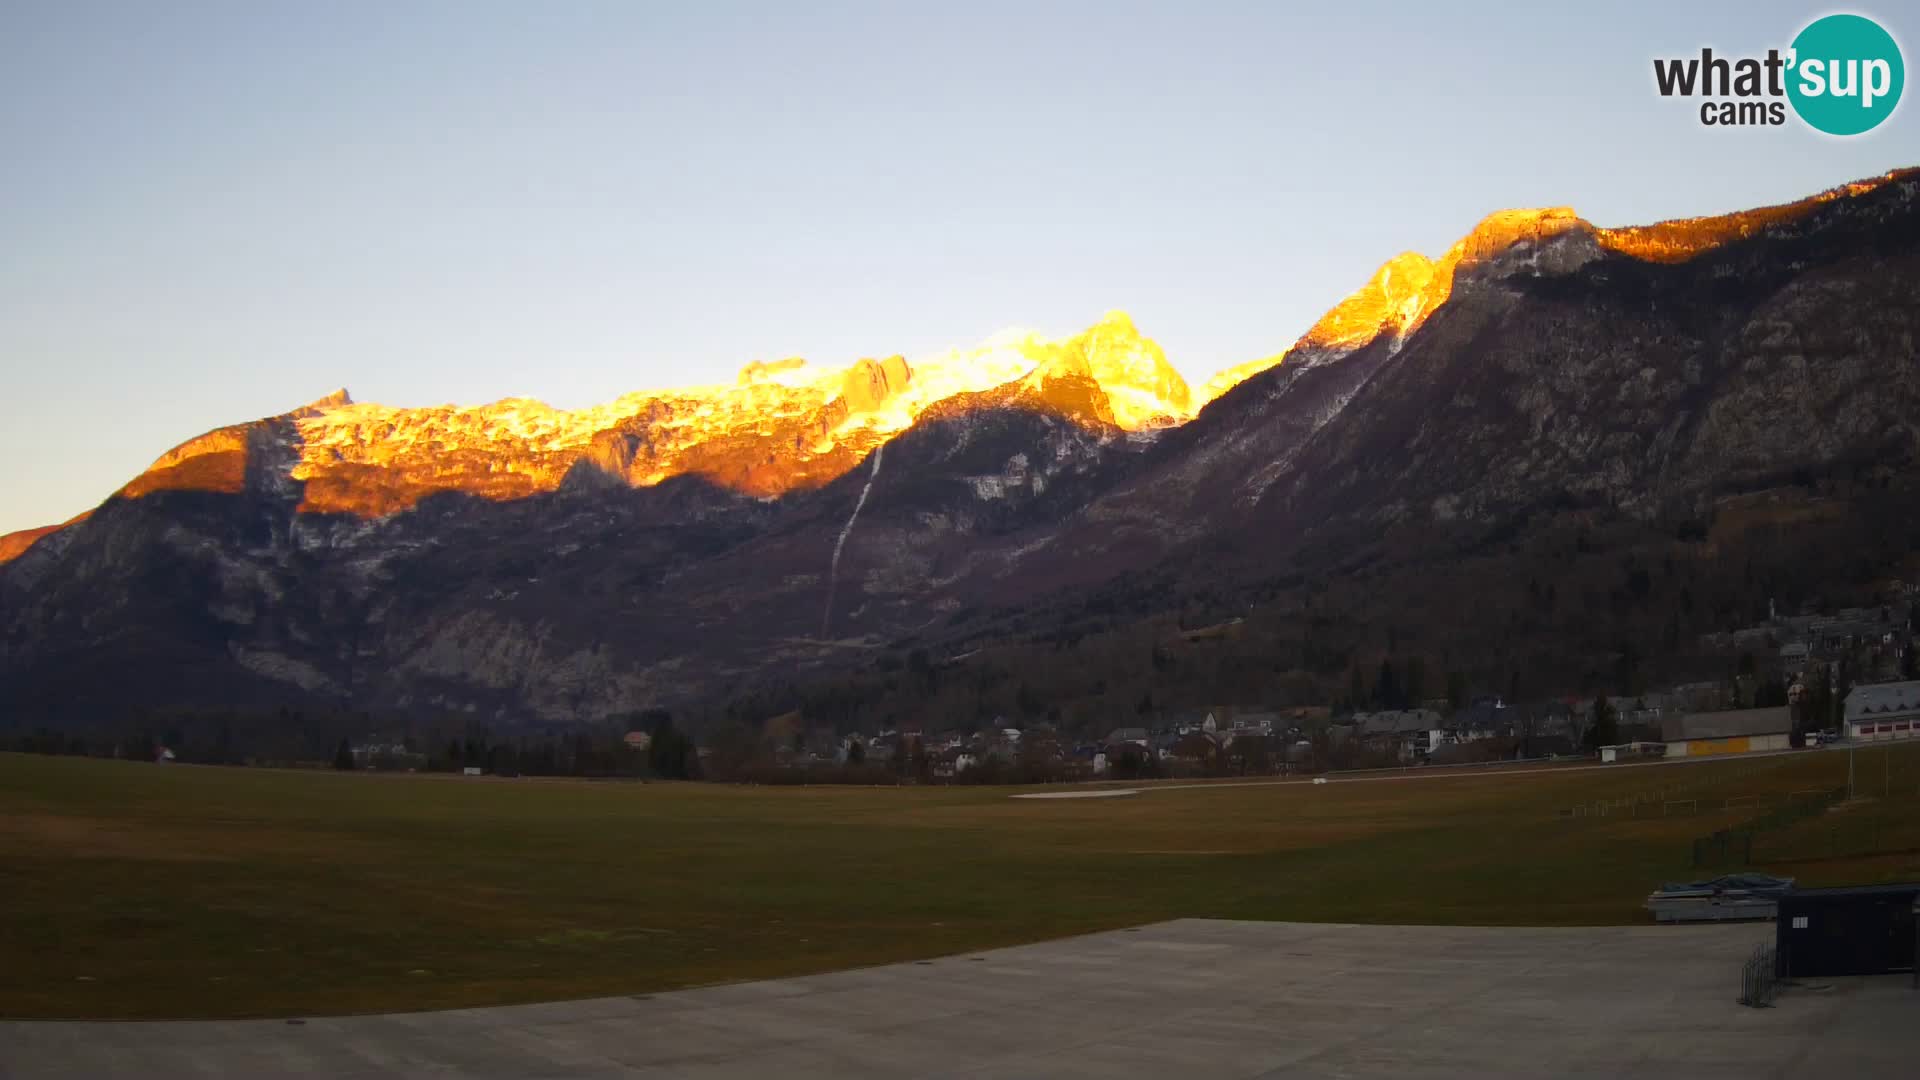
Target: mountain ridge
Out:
[1558,383]
[372,460]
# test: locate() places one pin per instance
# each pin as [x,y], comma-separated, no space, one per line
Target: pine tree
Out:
[343,757]
[1386,689]
[1413,685]
[1605,728]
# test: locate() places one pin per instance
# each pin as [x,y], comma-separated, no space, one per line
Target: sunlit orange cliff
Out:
[1409,287]
[789,425]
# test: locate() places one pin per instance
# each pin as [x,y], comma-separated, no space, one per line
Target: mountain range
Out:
[1739,387]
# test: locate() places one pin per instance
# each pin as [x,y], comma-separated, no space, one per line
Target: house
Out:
[1485,719]
[1794,657]
[1639,725]
[387,755]
[1632,751]
[1734,731]
[637,740]
[1186,723]
[951,762]
[1121,736]
[1396,721]
[1659,700]
[1843,630]
[1642,713]
[1414,731]
[1697,697]
[1162,744]
[1882,711]
[1195,747]
[1257,722]
[852,748]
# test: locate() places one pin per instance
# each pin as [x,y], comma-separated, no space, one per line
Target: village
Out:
[1800,681]
[1794,681]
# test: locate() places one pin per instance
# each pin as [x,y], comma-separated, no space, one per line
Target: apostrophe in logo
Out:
[1847,74]
[1842,75]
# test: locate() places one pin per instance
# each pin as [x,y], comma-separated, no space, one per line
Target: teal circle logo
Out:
[1846,76]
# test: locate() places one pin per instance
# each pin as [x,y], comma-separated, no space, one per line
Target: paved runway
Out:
[1193,998]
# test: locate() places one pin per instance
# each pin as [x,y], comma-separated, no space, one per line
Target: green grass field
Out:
[133,890]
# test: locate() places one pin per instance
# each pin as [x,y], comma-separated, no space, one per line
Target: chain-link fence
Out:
[1733,846]
[1664,800]
[1760,978]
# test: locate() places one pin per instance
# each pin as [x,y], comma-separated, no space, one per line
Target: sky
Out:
[212,212]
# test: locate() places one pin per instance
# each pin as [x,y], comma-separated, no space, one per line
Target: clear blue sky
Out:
[216,211]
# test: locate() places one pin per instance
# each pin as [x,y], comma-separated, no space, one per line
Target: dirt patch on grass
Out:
[60,836]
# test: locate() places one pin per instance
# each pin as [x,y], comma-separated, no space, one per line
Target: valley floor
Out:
[136,891]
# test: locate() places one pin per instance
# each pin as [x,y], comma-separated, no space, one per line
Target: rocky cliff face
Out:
[782,426]
[1587,372]
[519,563]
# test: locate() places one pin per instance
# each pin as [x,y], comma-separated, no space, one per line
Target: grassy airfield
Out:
[132,890]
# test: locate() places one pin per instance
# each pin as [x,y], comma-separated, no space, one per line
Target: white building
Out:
[1882,711]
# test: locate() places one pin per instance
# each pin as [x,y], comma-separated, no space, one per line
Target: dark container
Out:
[1864,930]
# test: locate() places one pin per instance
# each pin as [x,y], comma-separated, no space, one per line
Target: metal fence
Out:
[1760,978]
[1666,801]
[1733,846]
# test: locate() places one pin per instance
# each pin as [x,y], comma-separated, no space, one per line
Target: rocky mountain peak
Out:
[1550,240]
[1407,288]
[1392,301]
[761,371]
[1131,369]
[1399,295]
[1494,234]
[869,383]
